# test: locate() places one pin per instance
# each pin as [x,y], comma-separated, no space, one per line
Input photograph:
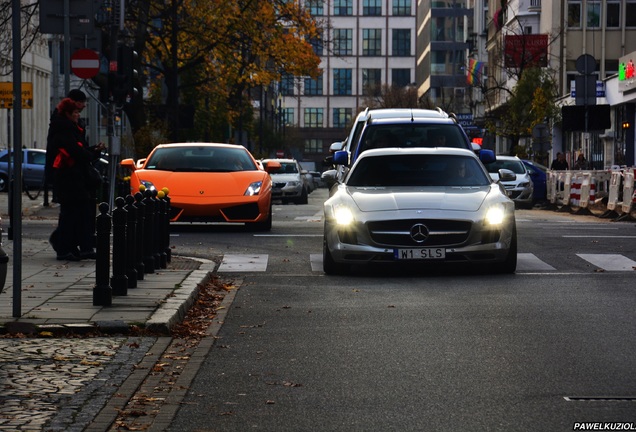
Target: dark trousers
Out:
[75,228]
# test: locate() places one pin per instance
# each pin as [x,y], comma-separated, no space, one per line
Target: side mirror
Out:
[129,163]
[341,157]
[506,175]
[272,166]
[329,177]
[334,147]
[487,156]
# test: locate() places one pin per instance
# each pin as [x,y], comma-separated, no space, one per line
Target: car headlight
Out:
[343,215]
[148,185]
[524,185]
[495,215]
[254,189]
[293,183]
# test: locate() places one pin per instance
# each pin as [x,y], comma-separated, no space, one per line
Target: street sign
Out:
[85,63]
[6,95]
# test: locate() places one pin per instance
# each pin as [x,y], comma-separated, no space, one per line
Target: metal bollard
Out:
[102,292]
[161,228]
[119,281]
[155,231]
[167,224]
[149,226]
[131,239]
[139,235]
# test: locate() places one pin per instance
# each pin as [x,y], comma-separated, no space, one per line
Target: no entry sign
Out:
[85,63]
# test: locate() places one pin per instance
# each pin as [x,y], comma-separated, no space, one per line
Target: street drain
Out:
[600,398]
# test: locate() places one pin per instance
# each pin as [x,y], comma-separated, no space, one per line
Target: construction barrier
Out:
[577,191]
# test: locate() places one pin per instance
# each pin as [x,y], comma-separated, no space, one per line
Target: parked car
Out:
[289,181]
[400,205]
[521,189]
[33,161]
[402,128]
[208,182]
[539,179]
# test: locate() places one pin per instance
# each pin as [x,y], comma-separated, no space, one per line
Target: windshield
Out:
[412,135]
[516,166]
[418,170]
[200,159]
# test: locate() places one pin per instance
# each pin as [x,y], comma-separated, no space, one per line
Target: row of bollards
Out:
[140,227]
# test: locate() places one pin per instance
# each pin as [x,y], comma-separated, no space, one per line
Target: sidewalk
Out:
[57,296]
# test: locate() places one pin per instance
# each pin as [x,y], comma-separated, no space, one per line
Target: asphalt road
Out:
[385,349]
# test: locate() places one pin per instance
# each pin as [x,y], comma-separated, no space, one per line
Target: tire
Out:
[510,264]
[329,266]
[266,225]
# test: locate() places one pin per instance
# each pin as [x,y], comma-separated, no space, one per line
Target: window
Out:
[313,87]
[593,14]
[401,42]
[371,82]
[343,7]
[438,29]
[371,42]
[630,14]
[287,85]
[342,117]
[313,145]
[574,14]
[400,77]
[313,117]
[372,7]
[342,82]
[288,117]
[315,7]
[402,7]
[613,15]
[343,42]
[317,44]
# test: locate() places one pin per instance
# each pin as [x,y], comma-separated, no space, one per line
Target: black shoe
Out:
[88,255]
[67,257]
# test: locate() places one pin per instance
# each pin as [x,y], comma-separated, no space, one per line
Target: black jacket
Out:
[70,178]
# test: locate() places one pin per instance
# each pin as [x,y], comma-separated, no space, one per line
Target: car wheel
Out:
[303,197]
[265,225]
[510,264]
[3,183]
[329,266]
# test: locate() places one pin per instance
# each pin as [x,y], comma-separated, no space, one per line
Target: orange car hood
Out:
[198,184]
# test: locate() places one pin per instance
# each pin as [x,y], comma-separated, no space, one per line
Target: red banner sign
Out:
[526,50]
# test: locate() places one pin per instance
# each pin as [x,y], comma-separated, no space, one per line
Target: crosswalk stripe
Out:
[526,262]
[243,263]
[530,262]
[609,262]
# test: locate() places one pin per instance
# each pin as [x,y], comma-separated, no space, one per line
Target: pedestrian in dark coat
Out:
[72,185]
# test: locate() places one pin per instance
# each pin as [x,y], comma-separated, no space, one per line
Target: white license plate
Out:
[415,254]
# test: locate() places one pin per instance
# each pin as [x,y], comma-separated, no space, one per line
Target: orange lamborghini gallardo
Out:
[208,182]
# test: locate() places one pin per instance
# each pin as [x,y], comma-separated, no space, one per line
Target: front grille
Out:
[241,212]
[441,232]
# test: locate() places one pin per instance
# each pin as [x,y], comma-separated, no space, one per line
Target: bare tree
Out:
[29,31]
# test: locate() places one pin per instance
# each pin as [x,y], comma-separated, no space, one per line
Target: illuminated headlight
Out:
[495,215]
[343,215]
[147,184]
[254,189]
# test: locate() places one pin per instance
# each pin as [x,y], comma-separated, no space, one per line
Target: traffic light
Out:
[122,79]
[127,67]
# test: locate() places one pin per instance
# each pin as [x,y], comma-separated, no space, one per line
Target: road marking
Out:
[609,262]
[530,262]
[598,236]
[243,263]
[316,262]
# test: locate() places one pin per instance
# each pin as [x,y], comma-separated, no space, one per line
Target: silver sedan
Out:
[420,205]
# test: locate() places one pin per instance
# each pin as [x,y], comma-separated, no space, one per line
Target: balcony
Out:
[535,6]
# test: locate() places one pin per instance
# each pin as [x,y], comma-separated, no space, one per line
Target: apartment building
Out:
[365,44]
[604,30]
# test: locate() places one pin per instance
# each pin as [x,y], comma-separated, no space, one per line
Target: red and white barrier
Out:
[628,191]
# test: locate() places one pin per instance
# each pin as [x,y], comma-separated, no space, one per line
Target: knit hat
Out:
[77,95]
